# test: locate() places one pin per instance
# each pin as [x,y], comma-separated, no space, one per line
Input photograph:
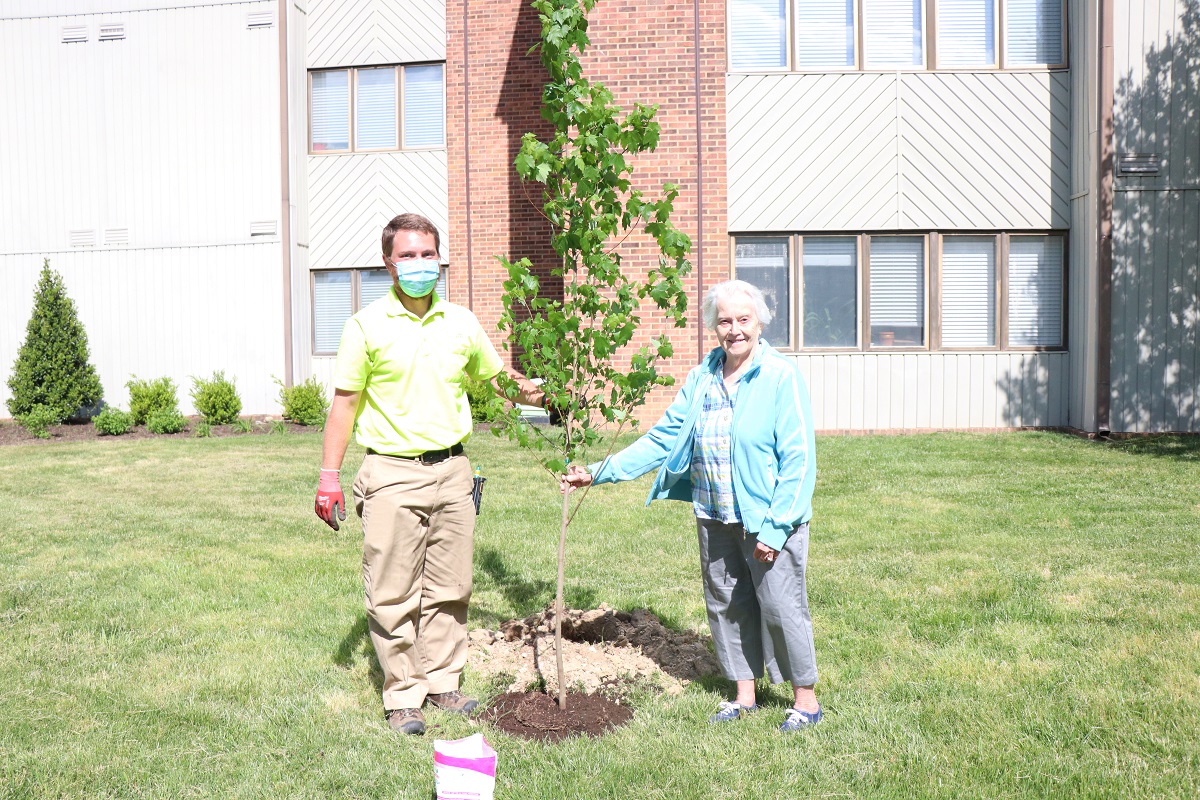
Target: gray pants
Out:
[758,612]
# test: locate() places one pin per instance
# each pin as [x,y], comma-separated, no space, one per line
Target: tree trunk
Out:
[558,604]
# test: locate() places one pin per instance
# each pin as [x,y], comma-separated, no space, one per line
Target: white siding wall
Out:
[916,391]
[345,33]
[173,134]
[151,312]
[857,151]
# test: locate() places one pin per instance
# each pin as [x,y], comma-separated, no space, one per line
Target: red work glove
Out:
[331,503]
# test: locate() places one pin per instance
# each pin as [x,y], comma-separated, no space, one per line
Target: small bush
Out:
[242,426]
[482,397]
[147,397]
[39,419]
[305,403]
[112,422]
[53,367]
[166,422]
[202,430]
[216,399]
[278,426]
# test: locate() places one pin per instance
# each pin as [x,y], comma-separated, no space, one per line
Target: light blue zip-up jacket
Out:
[774,455]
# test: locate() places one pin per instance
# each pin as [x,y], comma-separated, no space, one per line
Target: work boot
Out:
[406,720]
[455,702]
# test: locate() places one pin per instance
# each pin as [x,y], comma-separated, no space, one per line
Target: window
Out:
[338,294]
[881,292]
[392,108]
[827,35]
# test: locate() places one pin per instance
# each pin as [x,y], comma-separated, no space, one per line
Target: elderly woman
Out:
[738,443]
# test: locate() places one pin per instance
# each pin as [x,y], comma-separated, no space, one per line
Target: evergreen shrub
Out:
[39,419]
[216,399]
[147,397]
[481,395]
[113,422]
[52,367]
[304,403]
[166,422]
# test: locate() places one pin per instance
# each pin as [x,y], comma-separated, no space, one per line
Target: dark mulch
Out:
[535,715]
[12,433]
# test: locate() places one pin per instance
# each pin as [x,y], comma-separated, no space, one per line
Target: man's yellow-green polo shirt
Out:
[410,372]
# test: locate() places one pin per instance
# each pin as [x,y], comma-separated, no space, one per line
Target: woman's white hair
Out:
[725,289]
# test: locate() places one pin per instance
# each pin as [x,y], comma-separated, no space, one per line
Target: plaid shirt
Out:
[712,457]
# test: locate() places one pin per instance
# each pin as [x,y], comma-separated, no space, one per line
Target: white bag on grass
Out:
[464,769]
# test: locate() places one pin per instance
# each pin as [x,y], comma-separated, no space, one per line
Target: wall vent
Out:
[1139,163]
[263,228]
[82,237]
[73,34]
[112,32]
[114,237]
[260,19]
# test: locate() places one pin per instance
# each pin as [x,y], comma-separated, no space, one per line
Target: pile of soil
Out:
[534,715]
[602,649]
[12,433]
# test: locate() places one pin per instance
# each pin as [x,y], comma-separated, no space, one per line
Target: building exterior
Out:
[966,214]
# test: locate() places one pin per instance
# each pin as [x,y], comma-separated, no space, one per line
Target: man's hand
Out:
[331,503]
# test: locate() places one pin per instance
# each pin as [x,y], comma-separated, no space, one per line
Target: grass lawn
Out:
[996,616]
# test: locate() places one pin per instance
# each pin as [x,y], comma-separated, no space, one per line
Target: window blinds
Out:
[1035,291]
[1035,32]
[757,34]
[892,33]
[824,34]
[331,110]
[898,282]
[424,107]
[372,285]
[830,291]
[764,263]
[376,109]
[969,291]
[331,309]
[966,33]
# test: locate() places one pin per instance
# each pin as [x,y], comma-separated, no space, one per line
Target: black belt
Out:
[428,457]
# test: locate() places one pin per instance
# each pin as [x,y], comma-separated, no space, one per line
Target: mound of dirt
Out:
[534,715]
[602,649]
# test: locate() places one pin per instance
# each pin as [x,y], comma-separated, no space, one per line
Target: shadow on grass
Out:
[1179,447]
[524,596]
[357,644]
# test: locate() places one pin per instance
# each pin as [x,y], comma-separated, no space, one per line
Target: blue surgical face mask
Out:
[417,276]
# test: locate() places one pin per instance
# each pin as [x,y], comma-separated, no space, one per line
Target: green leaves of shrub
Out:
[166,422]
[147,397]
[113,422]
[304,403]
[52,367]
[216,399]
[39,419]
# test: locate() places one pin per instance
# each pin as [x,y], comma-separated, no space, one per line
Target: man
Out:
[399,383]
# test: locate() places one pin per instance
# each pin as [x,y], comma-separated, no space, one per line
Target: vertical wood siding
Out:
[154,133]
[921,391]
[151,312]
[1156,220]
[358,32]
[880,151]
[353,196]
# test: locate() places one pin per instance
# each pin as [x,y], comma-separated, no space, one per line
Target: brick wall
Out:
[642,52]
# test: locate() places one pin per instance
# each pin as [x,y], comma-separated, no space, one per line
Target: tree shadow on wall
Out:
[1156,239]
[519,107]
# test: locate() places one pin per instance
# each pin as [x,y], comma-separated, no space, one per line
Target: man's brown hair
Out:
[409,222]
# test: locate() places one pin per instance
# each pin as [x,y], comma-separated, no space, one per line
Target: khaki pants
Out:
[418,534]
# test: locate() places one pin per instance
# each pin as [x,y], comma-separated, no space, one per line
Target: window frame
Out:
[352,108]
[929,45]
[356,304]
[933,248]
